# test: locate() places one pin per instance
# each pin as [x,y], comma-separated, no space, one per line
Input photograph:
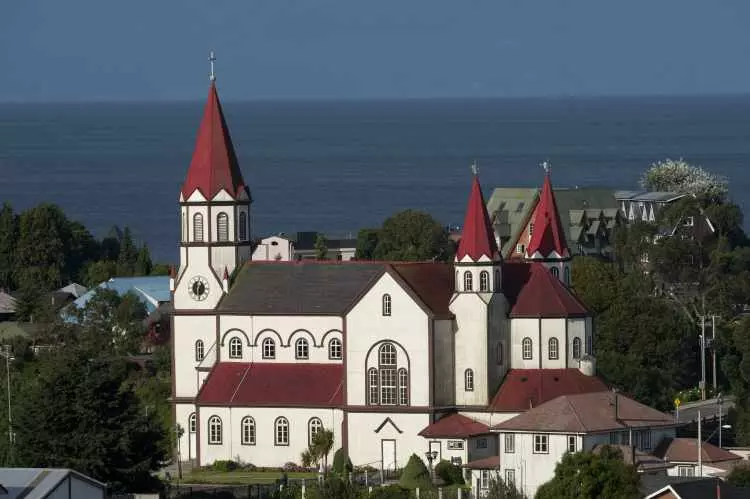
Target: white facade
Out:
[274,248]
[555,343]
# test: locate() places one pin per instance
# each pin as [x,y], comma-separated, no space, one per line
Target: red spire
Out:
[548,235]
[214,164]
[477,236]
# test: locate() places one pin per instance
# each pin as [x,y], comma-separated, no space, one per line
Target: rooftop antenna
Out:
[474,168]
[211,60]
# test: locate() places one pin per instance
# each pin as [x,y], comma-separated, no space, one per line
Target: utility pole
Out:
[719,401]
[700,446]
[713,351]
[703,357]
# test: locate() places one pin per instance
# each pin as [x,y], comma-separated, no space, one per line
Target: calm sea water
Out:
[340,166]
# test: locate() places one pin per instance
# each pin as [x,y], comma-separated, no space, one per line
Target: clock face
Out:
[198,288]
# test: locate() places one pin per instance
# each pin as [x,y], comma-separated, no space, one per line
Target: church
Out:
[394,358]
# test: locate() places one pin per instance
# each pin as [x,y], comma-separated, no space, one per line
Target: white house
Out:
[682,453]
[395,358]
[281,248]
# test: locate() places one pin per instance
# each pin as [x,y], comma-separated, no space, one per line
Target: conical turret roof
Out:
[548,237]
[477,236]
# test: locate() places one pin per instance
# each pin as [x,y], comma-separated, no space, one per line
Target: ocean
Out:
[340,166]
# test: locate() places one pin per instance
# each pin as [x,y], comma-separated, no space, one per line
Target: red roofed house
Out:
[395,358]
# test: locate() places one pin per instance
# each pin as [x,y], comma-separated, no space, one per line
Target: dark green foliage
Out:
[501,490]
[332,487]
[586,475]
[128,256]
[413,236]
[449,473]
[391,492]
[143,263]
[367,241]
[40,251]
[740,476]
[8,238]
[224,465]
[321,247]
[341,463]
[415,474]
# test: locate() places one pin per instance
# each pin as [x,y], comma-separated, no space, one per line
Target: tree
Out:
[449,473]
[682,177]
[415,474]
[74,413]
[740,476]
[413,236]
[321,247]
[367,241]
[318,449]
[599,282]
[8,238]
[341,462]
[498,489]
[40,257]
[588,475]
[128,255]
[143,265]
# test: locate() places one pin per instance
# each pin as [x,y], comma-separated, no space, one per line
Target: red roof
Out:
[214,165]
[432,282]
[454,426]
[488,463]
[548,235]
[523,389]
[543,295]
[686,450]
[477,236]
[273,385]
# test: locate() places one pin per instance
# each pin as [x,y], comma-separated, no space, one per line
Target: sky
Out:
[81,50]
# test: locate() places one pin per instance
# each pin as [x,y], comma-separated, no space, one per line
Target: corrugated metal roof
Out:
[151,289]
[38,483]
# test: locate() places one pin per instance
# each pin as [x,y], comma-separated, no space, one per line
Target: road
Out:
[709,409]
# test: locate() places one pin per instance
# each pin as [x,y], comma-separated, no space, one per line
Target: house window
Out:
[510,477]
[469,380]
[510,443]
[403,387]
[566,274]
[313,427]
[541,444]
[613,438]
[269,349]
[281,431]
[520,249]
[199,354]
[531,229]
[646,440]
[526,348]
[554,349]
[372,384]
[500,354]
[468,281]
[222,227]
[301,349]
[571,443]
[235,348]
[334,349]
[192,423]
[248,431]
[484,479]
[484,281]
[481,443]
[243,226]
[555,272]
[214,430]
[198,228]
[686,471]
[576,348]
[386,304]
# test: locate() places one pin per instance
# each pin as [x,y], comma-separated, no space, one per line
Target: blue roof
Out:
[152,290]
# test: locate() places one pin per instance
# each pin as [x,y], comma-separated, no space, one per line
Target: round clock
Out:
[198,288]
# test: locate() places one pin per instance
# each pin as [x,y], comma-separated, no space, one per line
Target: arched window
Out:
[386,304]
[566,275]
[183,225]
[388,381]
[500,354]
[468,281]
[387,355]
[222,227]
[527,347]
[214,430]
[555,272]
[334,349]
[403,387]
[469,380]
[372,386]
[269,349]
[248,431]
[576,348]
[301,349]
[554,349]
[193,423]
[313,427]
[198,228]
[243,226]
[484,281]
[199,353]
[281,431]
[235,348]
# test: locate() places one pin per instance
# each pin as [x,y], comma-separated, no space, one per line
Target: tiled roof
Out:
[454,426]
[686,450]
[433,283]
[214,165]
[548,238]
[523,389]
[488,463]
[543,295]
[273,384]
[477,235]
[588,413]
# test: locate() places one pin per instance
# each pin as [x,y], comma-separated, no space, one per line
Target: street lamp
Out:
[11,436]
[431,456]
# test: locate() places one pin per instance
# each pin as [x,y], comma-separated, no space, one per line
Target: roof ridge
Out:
[575,412]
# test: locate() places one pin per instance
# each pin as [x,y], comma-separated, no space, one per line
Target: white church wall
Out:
[443,362]
[372,438]
[214,212]
[552,328]
[196,265]
[188,440]
[407,326]
[521,328]
[576,329]
[470,348]
[187,330]
[498,341]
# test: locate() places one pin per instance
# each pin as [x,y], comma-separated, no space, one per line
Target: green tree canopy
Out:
[411,236]
[367,241]
[321,247]
[680,176]
[587,475]
[8,238]
[415,474]
[740,476]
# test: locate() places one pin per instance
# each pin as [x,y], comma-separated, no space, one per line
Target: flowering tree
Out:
[680,176]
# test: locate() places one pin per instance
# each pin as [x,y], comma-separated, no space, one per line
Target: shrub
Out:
[415,474]
[224,465]
[390,492]
[340,465]
[449,473]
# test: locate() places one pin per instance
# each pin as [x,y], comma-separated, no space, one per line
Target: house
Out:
[700,489]
[274,248]
[532,443]
[7,306]
[49,483]
[282,249]
[394,358]
[682,453]
[152,291]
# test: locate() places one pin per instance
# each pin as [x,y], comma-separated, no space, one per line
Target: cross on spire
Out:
[211,60]
[547,166]
[474,168]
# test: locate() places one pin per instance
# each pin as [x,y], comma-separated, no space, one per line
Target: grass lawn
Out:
[239,477]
